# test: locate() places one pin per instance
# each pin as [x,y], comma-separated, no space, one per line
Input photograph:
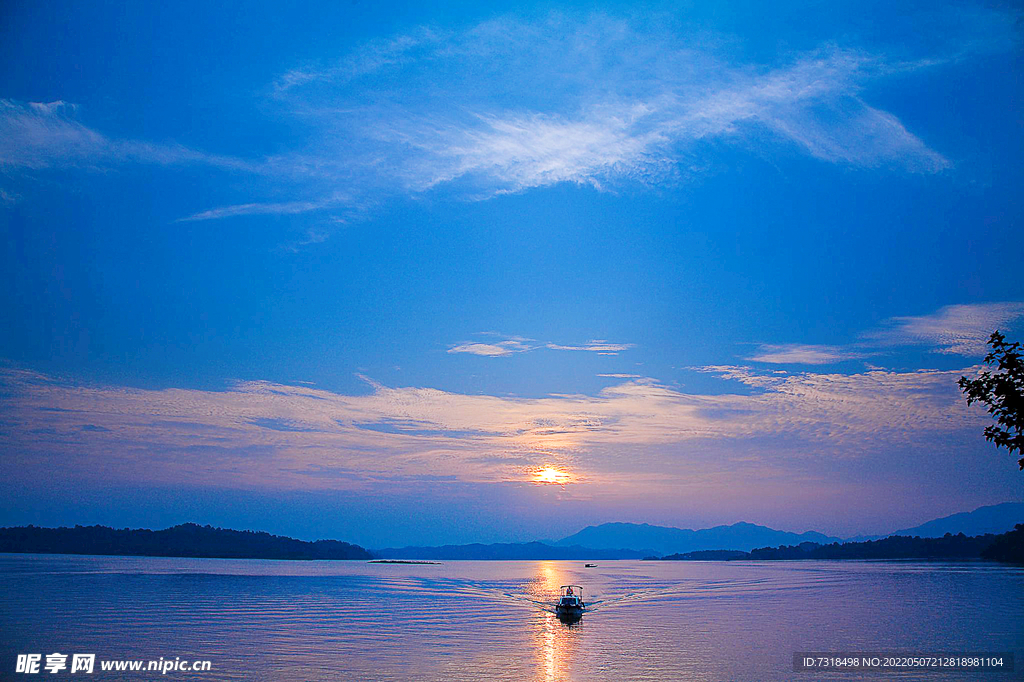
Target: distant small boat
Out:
[570,605]
[589,565]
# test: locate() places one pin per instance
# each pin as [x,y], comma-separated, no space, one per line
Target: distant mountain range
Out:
[618,541]
[993,519]
[663,540]
[637,540]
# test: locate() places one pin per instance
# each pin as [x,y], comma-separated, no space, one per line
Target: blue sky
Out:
[364,270]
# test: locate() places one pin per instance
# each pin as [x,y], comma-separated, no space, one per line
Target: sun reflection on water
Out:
[561,645]
[557,643]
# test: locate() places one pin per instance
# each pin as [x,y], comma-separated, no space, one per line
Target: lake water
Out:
[481,620]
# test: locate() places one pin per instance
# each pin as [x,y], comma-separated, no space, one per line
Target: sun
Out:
[551,475]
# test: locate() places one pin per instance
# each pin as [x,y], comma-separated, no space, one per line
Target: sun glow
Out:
[551,475]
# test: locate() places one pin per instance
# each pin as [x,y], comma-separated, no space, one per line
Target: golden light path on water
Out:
[549,648]
[557,641]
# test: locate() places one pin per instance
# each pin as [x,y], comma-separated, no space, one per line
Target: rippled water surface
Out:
[491,620]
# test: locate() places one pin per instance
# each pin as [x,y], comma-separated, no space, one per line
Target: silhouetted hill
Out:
[1008,547]
[895,547]
[507,551]
[664,540]
[185,540]
[996,518]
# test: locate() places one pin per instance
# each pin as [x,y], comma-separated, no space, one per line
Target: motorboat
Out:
[570,604]
[589,565]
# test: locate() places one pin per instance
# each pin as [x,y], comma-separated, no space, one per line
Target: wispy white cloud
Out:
[621,376]
[954,329]
[368,59]
[803,354]
[493,350]
[849,131]
[597,100]
[744,375]
[37,135]
[280,208]
[518,344]
[518,152]
[596,346]
[877,404]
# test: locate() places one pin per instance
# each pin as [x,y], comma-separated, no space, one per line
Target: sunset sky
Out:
[402,274]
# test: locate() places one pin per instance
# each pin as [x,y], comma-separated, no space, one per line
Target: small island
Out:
[187,540]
